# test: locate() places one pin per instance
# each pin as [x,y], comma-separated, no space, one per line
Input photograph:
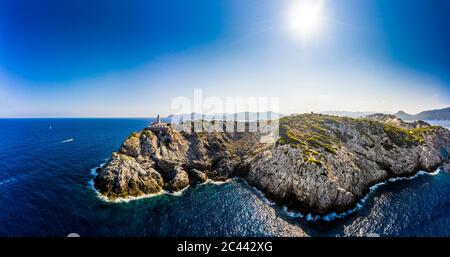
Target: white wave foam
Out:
[91,183]
[67,140]
[292,214]
[216,182]
[261,194]
[123,199]
[333,215]
[436,172]
[177,193]
[117,200]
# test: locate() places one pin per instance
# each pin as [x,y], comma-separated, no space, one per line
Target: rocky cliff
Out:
[149,162]
[318,164]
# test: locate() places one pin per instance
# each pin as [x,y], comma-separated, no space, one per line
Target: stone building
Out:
[158,126]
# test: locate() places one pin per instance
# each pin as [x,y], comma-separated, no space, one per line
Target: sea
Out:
[46,172]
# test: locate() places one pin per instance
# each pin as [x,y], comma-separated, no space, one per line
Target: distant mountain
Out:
[404,116]
[442,114]
[240,116]
[347,114]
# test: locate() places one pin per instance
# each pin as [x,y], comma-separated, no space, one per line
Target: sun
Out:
[305,18]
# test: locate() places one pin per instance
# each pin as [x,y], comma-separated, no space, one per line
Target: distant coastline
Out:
[437,115]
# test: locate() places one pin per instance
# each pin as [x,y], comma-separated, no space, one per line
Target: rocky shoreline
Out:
[318,164]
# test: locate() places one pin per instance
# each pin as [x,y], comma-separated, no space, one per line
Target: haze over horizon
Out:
[122,59]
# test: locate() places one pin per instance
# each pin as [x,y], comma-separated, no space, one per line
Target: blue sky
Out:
[131,58]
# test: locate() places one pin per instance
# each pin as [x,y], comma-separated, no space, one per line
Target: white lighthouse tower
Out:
[158,125]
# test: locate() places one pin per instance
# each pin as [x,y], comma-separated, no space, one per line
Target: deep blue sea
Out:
[45,174]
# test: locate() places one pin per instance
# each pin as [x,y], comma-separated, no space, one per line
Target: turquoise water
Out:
[45,174]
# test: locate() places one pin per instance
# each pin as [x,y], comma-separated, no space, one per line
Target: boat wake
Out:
[7,181]
[67,140]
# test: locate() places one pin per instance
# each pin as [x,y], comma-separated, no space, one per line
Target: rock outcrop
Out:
[318,164]
[149,162]
[124,176]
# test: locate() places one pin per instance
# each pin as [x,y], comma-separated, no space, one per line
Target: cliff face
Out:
[148,162]
[319,163]
[324,163]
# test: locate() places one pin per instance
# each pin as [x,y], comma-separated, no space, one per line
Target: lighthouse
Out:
[158,125]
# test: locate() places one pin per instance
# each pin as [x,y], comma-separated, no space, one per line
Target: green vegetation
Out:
[144,132]
[309,133]
[134,134]
[419,133]
[407,137]
[147,133]
[401,136]
[317,134]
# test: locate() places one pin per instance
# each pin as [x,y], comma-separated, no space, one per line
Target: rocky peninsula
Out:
[317,164]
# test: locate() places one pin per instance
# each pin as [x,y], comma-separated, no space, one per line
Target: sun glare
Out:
[305,18]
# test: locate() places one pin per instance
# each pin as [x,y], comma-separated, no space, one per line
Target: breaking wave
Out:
[134,198]
[292,214]
[333,215]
